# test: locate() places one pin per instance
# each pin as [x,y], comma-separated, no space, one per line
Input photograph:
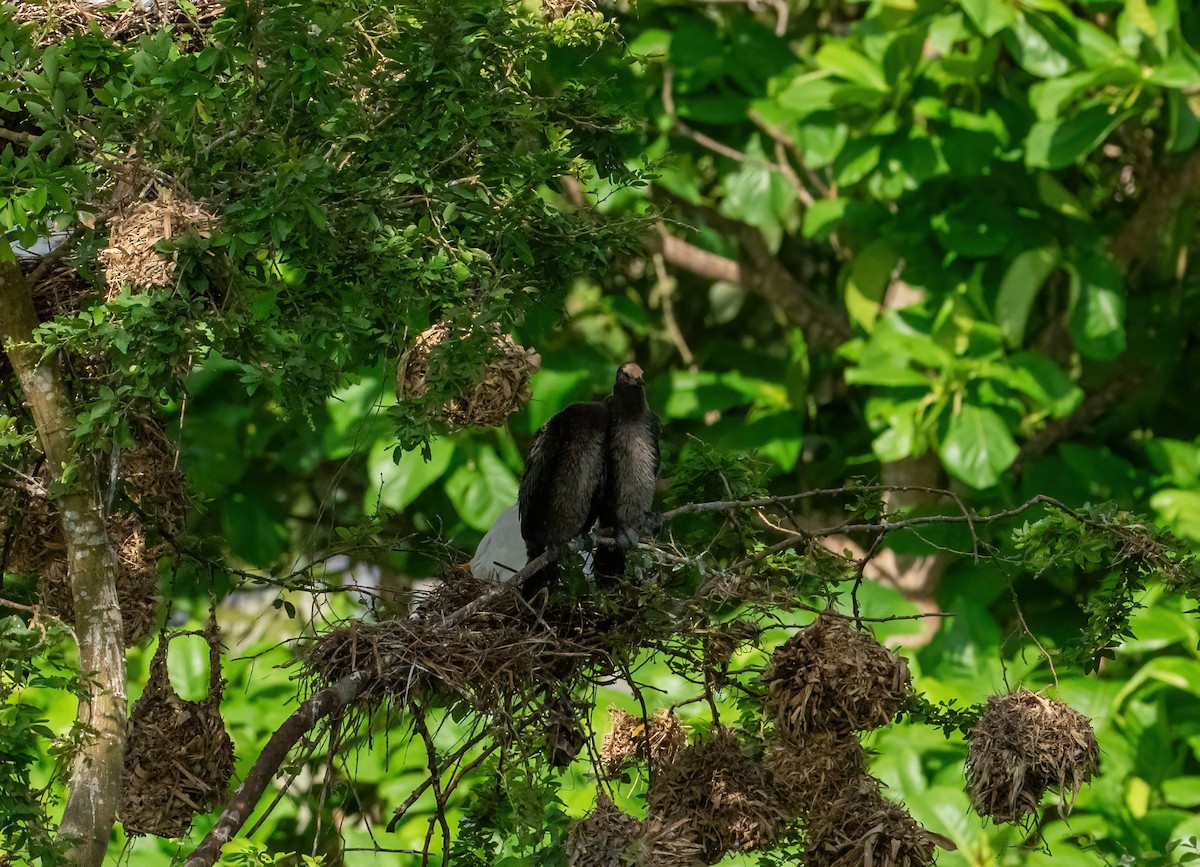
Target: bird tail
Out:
[608,564]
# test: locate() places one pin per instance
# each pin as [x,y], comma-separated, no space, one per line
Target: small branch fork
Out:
[340,695]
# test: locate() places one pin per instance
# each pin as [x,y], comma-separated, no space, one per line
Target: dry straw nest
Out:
[1024,743]
[811,771]
[724,800]
[610,837]
[503,389]
[178,758]
[830,676]
[31,533]
[860,827]
[657,739]
[59,19]
[130,258]
[721,643]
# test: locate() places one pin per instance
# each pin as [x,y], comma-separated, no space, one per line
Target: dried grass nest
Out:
[657,739]
[503,390]
[1023,744]
[724,801]
[610,837]
[178,757]
[810,772]
[831,677]
[31,534]
[62,18]
[130,258]
[860,826]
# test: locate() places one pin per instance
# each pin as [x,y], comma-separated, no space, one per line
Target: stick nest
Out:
[130,259]
[503,389]
[179,758]
[831,677]
[725,801]
[58,19]
[860,826]
[632,739]
[499,651]
[1024,743]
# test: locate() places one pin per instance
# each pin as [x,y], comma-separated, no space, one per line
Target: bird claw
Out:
[652,522]
[627,538]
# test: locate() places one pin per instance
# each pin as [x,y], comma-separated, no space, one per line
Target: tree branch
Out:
[95,782]
[239,808]
[1142,237]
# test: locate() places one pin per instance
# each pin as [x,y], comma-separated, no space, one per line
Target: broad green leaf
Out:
[1179,509]
[1032,42]
[1098,308]
[866,280]
[481,488]
[1056,144]
[1058,198]
[1177,460]
[1183,792]
[1026,275]
[396,485]
[254,527]
[990,16]
[977,446]
[822,217]
[840,58]
[1038,377]
[759,196]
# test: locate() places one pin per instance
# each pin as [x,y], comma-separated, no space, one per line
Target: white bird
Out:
[501,552]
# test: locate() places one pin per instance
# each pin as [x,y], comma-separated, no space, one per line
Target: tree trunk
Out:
[95,782]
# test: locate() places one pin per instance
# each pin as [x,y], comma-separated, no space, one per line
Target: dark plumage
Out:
[631,471]
[563,483]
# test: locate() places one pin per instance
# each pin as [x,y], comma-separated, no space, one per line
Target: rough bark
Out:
[1142,238]
[95,782]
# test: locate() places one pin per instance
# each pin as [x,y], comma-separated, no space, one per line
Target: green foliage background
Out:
[961,233]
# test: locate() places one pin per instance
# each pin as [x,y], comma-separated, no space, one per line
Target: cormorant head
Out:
[630,375]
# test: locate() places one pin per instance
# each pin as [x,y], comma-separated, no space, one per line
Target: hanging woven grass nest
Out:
[31,533]
[137,578]
[178,757]
[503,389]
[725,800]
[810,772]
[59,19]
[603,837]
[1023,744]
[657,739]
[721,643]
[130,258]
[610,837]
[860,827]
[831,677]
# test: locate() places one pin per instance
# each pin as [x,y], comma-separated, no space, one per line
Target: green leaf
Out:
[822,217]
[1033,43]
[990,16]
[482,488]
[1036,376]
[866,280]
[1180,510]
[396,485]
[977,446]
[1056,144]
[1058,198]
[841,59]
[1097,321]
[1026,275]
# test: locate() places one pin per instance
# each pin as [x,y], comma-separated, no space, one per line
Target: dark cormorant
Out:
[631,470]
[560,492]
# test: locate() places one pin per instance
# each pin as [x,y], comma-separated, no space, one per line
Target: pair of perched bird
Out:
[591,462]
